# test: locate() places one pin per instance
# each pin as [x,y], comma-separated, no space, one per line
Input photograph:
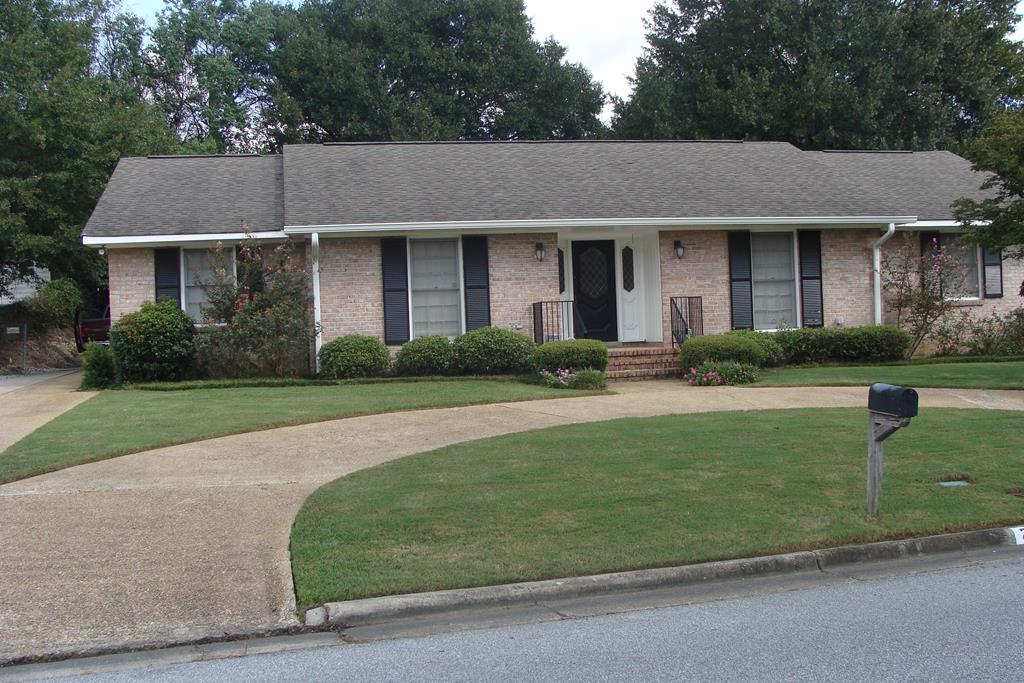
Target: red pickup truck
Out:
[90,327]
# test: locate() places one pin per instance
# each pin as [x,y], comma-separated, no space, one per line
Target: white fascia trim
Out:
[547,224]
[93,241]
[916,225]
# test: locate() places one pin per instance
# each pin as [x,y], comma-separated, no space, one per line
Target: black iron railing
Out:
[687,313]
[552,320]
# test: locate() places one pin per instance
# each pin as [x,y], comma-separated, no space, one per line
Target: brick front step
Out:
[636,375]
[645,362]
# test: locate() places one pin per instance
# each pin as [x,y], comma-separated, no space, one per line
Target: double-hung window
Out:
[181,275]
[435,287]
[773,280]
[969,258]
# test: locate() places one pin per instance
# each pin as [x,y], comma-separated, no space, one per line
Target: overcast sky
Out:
[606,36]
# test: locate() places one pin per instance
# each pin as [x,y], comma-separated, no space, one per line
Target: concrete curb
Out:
[376,610]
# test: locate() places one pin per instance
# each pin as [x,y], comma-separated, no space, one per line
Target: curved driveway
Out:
[191,541]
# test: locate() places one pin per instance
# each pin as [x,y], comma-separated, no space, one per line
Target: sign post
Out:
[890,408]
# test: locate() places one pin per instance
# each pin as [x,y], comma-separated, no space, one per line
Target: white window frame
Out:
[183,283]
[797,300]
[460,274]
[979,267]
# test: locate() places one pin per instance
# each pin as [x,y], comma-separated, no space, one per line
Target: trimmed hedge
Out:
[720,347]
[431,355]
[353,355]
[493,351]
[869,343]
[773,354]
[153,343]
[579,354]
[98,369]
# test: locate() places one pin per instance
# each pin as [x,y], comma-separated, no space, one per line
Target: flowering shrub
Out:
[564,378]
[717,374]
[259,317]
[921,289]
[992,335]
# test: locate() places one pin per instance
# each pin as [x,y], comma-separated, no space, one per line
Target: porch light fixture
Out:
[539,250]
[680,249]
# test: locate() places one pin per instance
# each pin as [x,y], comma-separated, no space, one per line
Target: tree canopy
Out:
[998,222]
[839,74]
[69,108]
[425,70]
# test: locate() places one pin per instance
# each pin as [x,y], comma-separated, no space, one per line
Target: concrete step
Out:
[640,374]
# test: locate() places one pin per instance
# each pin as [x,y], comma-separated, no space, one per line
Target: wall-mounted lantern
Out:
[539,250]
[680,249]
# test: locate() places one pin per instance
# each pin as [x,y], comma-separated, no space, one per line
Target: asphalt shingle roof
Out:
[190,195]
[368,183]
[921,184]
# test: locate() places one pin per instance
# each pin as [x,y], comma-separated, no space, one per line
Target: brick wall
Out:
[132,280]
[846,276]
[703,271]
[351,287]
[518,279]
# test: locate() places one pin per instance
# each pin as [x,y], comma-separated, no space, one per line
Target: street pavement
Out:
[939,621]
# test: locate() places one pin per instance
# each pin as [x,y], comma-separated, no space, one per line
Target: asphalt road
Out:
[946,623]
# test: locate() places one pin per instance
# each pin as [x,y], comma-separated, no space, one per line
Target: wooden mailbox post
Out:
[889,408]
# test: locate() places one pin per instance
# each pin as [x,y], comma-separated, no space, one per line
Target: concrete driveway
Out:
[191,541]
[28,401]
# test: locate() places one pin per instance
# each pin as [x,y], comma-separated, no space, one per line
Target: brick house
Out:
[632,243]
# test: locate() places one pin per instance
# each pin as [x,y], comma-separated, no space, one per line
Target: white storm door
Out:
[631,290]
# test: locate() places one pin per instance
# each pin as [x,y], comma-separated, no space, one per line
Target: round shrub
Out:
[579,354]
[769,345]
[431,355]
[153,344]
[98,369]
[493,351]
[353,355]
[719,347]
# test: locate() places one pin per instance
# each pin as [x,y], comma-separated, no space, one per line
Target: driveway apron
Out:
[191,541]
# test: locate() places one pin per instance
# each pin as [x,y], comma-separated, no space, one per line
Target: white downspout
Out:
[318,339]
[876,267]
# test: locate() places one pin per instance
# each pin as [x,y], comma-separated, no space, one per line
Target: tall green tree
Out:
[206,69]
[998,221]
[917,74]
[424,70]
[65,118]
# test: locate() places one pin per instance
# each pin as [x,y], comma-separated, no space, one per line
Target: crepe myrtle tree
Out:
[259,315]
[922,287]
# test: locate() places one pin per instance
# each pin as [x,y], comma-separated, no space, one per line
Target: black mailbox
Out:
[890,399]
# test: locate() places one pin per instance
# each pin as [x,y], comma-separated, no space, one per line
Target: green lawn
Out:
[651,492]
[119,422]
[1005,375]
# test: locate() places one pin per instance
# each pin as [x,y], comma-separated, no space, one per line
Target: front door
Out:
[593,284]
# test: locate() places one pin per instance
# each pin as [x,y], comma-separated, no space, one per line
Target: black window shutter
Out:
[394,262]
[810,278]
[476,281]
[167,268]
[993,272]
[740,291]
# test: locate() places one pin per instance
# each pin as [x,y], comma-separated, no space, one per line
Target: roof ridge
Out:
[208,156]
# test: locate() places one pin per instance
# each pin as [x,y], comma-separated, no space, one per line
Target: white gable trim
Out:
[145,240]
